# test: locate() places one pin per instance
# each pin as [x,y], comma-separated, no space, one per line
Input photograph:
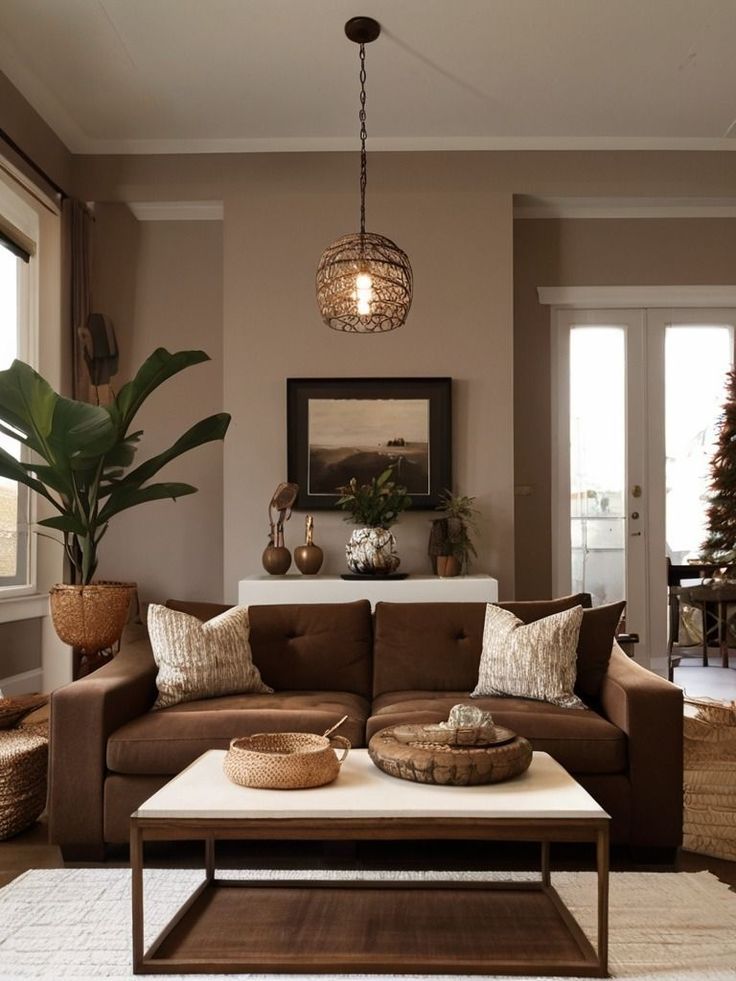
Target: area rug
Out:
[75,923]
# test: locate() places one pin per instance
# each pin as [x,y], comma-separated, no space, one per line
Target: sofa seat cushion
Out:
[166,741]
[580,739]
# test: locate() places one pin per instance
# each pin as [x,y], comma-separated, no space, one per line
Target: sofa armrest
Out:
[650,712]
[83,715]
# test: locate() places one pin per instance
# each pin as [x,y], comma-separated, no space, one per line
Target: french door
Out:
[637,395]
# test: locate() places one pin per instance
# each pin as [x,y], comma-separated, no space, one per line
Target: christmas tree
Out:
[720,545]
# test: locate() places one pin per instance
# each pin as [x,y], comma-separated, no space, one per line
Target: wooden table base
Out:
[372,926]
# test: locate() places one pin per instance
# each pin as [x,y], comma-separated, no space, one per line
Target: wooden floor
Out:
[31,850]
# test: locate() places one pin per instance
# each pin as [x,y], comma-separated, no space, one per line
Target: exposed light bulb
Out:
[364,293]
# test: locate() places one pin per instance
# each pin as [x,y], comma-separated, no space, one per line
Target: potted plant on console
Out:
[374,507]
[450,544]
[77,457]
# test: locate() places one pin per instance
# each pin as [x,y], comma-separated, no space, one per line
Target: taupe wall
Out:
[586,252]
[460,325]
[452,213]
[161,282]
[28,130]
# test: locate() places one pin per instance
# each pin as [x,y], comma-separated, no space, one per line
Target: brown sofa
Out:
[408,663]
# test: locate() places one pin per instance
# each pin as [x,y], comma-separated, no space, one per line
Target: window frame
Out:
[22,216]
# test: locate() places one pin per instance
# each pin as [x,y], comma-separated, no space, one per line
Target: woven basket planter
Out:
[24,756]
[91,617]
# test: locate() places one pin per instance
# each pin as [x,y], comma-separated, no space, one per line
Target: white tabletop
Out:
[361,790]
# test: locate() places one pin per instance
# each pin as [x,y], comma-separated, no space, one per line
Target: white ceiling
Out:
[155,76]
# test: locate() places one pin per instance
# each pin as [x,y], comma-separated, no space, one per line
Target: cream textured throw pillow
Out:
[201,660]
[533,660]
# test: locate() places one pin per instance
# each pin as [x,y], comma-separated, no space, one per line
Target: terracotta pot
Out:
[448,566]
[309,559]
[91,617]
[276,560]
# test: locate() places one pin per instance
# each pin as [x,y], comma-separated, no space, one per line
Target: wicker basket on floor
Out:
[23,766]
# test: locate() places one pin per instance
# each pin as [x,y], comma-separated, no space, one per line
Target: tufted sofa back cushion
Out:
[437,646]
[308,646]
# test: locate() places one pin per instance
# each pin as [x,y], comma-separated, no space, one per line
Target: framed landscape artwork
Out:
[340,428]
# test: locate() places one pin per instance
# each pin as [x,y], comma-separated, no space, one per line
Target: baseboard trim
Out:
[21,684]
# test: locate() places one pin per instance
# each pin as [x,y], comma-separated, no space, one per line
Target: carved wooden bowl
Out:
[457,766]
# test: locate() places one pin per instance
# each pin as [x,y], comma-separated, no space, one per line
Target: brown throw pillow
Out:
[530,610]
[597,633]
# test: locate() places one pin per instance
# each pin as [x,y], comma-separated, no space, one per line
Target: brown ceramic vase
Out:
[309,559]
[276,560]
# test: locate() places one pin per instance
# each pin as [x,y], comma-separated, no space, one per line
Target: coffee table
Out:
[372,926]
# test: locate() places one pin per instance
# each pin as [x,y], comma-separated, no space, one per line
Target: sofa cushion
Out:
[580,739]
[165,741]
[308,646]
[437,645]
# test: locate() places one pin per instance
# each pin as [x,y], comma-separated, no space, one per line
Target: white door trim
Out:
[615,297]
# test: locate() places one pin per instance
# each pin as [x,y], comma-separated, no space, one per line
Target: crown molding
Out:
[177,210]
[317,144]
[632,297]
[553,207]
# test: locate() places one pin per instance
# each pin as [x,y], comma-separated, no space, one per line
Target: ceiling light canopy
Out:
[364,280]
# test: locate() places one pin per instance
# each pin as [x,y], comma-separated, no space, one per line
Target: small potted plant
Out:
[450,544]
[374,507]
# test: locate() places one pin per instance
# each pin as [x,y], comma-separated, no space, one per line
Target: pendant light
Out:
[364,280]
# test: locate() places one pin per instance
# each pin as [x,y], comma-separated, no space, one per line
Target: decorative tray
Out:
[387,575]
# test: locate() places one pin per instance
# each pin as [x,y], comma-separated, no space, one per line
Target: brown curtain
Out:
[77,220]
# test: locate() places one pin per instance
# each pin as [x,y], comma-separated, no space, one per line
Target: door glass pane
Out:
[597,461]
[697,358]
[12,530]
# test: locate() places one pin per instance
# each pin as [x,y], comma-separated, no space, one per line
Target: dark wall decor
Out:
[340,428]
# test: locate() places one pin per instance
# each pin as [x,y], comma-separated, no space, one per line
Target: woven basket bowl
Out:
[91,617]
[23,763]
[284,760]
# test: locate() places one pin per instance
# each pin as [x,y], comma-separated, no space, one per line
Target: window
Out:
[14,499]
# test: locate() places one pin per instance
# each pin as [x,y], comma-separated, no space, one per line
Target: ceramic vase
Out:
[309,559]
[372,552]
[276,560]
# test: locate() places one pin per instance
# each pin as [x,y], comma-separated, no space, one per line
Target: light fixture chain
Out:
[363,136]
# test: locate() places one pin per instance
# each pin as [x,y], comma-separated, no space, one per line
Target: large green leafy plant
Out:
[78,456]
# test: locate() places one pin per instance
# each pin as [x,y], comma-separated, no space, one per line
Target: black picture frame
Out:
[316,460]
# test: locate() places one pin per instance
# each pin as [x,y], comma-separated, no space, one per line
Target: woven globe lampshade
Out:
[364,284]
[364,280]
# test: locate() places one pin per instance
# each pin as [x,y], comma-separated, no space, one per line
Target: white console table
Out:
[266,590]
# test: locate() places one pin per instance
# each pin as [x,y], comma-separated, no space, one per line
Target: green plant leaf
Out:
[152,373]
[206,431]
[27,403]
[13,470]
[50,477]
[80,432]
[123,498]
[67,523]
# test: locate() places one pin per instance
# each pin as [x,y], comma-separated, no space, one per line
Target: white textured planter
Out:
[372,551]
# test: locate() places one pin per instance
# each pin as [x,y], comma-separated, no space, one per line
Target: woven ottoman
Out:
[710,778]
[24,754]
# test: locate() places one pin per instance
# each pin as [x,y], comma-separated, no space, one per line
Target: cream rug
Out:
[75,923]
